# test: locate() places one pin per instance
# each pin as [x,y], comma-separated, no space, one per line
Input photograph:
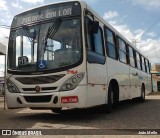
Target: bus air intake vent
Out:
[38,99]
[40,79]
[43,89]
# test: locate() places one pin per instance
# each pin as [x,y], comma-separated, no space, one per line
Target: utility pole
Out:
[134,41]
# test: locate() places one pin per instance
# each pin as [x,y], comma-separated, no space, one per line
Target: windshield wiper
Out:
[30,35]
[52,31]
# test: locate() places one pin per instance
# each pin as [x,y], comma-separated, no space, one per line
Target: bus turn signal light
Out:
[70,99]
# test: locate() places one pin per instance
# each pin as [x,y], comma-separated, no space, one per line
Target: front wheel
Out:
[56,110]
[107,108]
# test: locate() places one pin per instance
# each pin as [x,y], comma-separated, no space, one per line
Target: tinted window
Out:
[143,64]
[110,44]
[131,57]
[138,60]
[98,41]
[122,51]
[122,45]
[110,37]
[94,44]
[95,41]
[147,66]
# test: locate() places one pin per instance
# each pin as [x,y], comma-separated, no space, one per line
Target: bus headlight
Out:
[11,87]
[72,82]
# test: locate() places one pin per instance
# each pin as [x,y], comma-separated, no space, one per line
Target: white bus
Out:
[65,55]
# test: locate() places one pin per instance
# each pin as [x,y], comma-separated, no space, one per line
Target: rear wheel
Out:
[142,98]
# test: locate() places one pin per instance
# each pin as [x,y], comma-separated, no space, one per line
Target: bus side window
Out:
[149,66]
[131,57]
[143,64]
[122,51]
[110,44]
[138,61]
[95,44]
[146,67]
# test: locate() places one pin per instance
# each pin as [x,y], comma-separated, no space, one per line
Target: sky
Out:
[137,20]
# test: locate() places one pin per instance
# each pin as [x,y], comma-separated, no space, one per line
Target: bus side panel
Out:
[149,84]
[135,82]
[119,72]
[145,80]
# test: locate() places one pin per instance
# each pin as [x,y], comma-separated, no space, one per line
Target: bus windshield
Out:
[45,46]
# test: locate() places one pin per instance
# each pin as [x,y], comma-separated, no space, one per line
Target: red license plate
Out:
[70,99]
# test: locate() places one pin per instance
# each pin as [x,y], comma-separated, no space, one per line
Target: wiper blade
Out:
[52,31]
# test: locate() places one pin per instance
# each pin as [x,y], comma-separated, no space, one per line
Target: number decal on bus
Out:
[22,60]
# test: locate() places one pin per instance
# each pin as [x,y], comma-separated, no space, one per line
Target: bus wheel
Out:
[56,110]
[107,108]
[110,99]
[142,98]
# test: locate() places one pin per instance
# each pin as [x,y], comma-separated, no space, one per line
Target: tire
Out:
[107,108]
[110,98]
[56,110]
[142,98]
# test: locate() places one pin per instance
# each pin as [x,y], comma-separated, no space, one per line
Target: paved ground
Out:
[130,117]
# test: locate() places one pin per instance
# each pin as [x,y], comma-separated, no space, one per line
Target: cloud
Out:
[33,1]
[110,14]
[17,5]
[3,5]
[150,47]
[147,4]
[152,34]
[126,31]
[4,34]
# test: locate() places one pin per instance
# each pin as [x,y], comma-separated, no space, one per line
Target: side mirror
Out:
[95,27]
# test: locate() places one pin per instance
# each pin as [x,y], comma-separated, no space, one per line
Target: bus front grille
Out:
[38,99]
[40,79]
[43,89]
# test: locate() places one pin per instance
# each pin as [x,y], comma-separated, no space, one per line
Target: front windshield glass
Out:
[31,49]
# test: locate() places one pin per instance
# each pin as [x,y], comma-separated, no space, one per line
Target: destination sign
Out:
[47,12]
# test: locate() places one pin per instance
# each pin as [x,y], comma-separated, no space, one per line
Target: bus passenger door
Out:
[96,64]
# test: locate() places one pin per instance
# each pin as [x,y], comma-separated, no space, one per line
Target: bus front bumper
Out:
[71,99]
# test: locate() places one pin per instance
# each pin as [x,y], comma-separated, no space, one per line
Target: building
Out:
[155,71]
[2,52]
